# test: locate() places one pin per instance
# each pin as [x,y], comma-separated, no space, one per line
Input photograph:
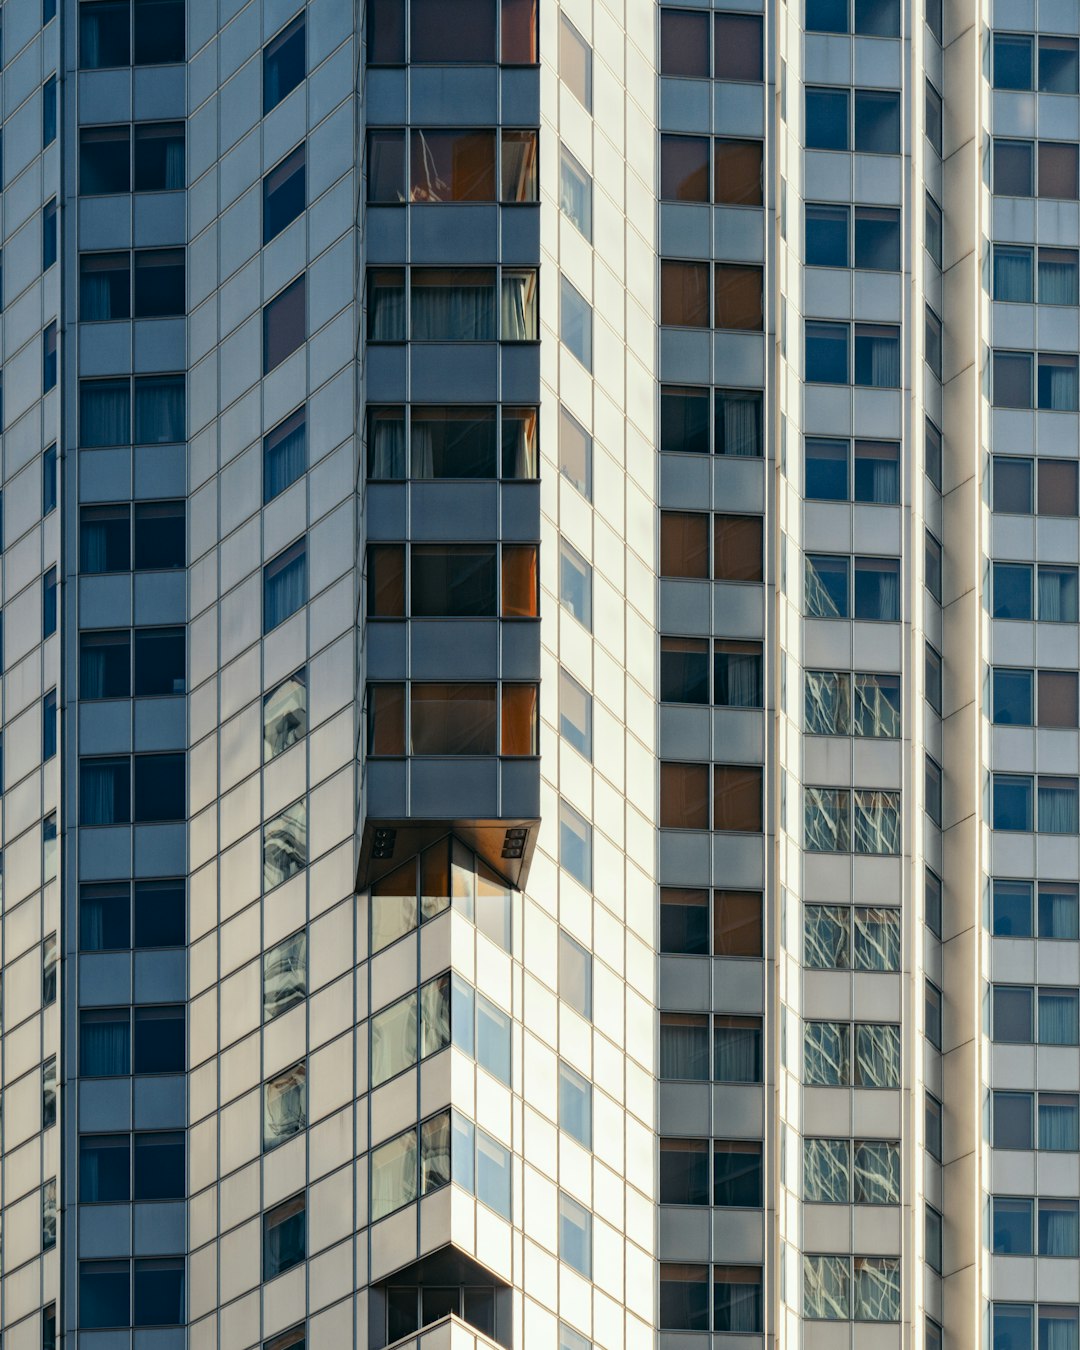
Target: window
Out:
[839,1171]
[828,471]
[284,976]
[872,18]
[284,585]
[575,322]
[575,844]
[284,1237]
[159,1292]
[684,1296]
[932,117]
[575,975]
[48,111]
[105,1042]
[285,454]
[575,62]
[284,324]
[49,967]
[296,1339]
[48,1092]
[737,1173]
[48,1327]
[159,157]
[575,1235]
[104,1168]
[738,296]
[838,938]
[575,714]
[48,234]
[48,358]
[827,353]
[738,168]
[104,1294]
[284,1106]
[284,193]
[284,64]
[104,34]
[684,168]
[575,453]
[285,845]
[575,1105]
[104,160]
[572,1340]
[1057,594]
[575,190]
[49,601]
[737,798]
[575,584]
[826,123]
[285,714]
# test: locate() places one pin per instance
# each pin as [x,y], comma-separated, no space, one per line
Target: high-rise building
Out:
[540,738]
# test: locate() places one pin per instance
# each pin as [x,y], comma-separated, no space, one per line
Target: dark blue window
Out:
[159,1039]
[1013,802]
[284,193]
[827,236]
[48,725]
[48,481]
[159,792]
[48,234]
[49,358]
[48,111]
[1013,697]
[104,1294]
[284,64]
[827,353]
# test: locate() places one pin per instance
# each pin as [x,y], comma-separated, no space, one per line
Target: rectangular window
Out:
[284,63]
[284,193]
[932,117]
[284,324]
[1059,172]
[575,453]
[1057,592]
[284,1106]
[684,1172]
[575,1235]
[1014,168]
[575,975]
[285,845]
[284,976]
[160,286]
[827,359]
[49,603]
[684,1291]
[738,170]
[737,798]
[284,585]
[575,844]
[284,1237]
[49,358]
[575,1105]
[738,299]
[48,111]
[104,1169]
[932,229]
[48,234]
[159,661]
[737,674]
[160,1172]
[827,119]
[576,322]
[827,586]
[159,160]
[877,238]
[104,1294]
[575,191]
[104,160]
[104,1043]
[452,166]
[575,62]
[285,454]
[575,584]
[575,714]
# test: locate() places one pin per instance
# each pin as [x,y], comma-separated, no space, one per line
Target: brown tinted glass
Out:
[520,719]
[684,168]
[1058,170]
[737,548]
[452,166]
[684,544]
[444,33]
[520,581]
[684,796]
[684,294]
[386,719]
[1012,379]
[1057,698]
[737,172]
[737,923]
[738,47]
[739,297]
[386,581]
[518,166]
[684,43]
[1057,487]
[453,719]
[737,801]
[518,36]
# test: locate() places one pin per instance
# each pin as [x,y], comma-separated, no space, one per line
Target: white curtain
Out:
[1059,1123]
[102,799]
[1058,386]
[386,446]
[736,1305]
[826,1288]
[1059,1023]
[519,321]
[1058,913]
[738,423]
[284,461]
[877,1055]
[738,1054]
[464,312]
[1057,594]
[825,937]
[884,361]
[386,312]
[826,1054]
[1012,276]
[285,591]
[826,1171]
[175,179]
[828,703]
[1057,1329]
[684,1046]
[1057,283]
[738,679]
[105,1049]
[1058,1233]
[1058,806]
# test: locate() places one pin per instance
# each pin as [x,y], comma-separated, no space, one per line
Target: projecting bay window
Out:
[737,1048]
[444,1010]
[723,421]
[734,918]
[446,1147]
[446,875]
[452,165]
[453,719]
[463,304]
[452,442]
